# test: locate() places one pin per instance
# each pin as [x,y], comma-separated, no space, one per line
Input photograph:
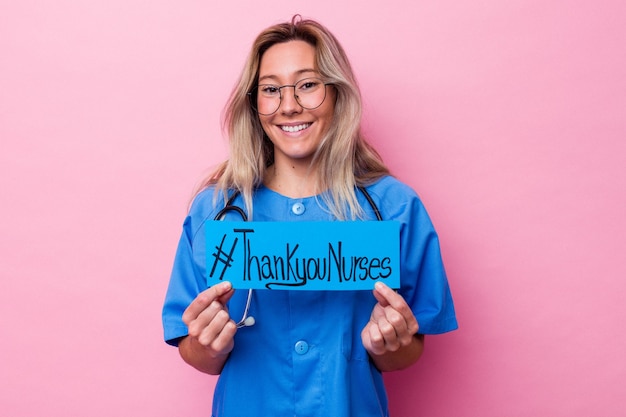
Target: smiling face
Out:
[295,132]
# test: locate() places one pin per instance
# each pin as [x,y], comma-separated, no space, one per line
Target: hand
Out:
[208,321]
[392,324]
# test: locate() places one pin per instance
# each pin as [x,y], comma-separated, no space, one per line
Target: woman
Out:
[297,154]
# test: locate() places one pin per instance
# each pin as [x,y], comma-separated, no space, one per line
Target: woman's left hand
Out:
[392,324]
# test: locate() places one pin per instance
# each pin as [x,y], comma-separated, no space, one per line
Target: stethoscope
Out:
[246,319]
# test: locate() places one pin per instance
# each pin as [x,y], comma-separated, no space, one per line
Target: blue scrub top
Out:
[304,356]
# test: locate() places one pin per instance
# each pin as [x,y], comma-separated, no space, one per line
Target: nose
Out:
[289,103]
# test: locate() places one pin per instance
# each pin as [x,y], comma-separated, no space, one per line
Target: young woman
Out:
[297,154]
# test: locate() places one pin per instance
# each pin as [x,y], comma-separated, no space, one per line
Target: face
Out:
[295,132]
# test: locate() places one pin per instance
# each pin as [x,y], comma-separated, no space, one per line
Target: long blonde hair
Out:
[344,159]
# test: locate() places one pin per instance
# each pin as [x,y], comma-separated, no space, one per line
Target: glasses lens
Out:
[310,93]
[266,98]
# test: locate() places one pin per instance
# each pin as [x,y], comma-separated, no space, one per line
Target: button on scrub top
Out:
[298,209]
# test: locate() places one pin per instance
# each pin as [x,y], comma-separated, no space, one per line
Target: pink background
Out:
[507,117]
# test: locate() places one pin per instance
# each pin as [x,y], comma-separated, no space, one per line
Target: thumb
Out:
[381,293]
[224,298]
[223,292]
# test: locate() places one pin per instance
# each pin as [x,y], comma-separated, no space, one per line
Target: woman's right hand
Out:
[211,330]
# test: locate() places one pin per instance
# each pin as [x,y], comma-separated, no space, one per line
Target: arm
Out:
[391,337]
[211,330]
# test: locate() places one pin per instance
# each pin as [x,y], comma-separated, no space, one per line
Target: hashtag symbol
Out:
[222,257]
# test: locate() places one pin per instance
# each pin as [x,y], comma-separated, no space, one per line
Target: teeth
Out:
[297,128]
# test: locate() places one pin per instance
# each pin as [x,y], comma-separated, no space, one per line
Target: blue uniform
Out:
[304,356]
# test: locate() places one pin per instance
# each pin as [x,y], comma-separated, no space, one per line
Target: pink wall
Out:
[508,117]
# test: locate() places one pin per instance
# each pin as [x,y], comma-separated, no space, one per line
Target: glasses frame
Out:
[253,95]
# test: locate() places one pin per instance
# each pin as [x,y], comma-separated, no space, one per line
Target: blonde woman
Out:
[297,154]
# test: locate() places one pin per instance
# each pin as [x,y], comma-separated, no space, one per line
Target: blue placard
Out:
[303,255]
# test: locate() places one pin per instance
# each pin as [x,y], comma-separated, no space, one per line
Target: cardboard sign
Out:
[303,255]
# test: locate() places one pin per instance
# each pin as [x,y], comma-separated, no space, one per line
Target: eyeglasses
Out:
[310,93]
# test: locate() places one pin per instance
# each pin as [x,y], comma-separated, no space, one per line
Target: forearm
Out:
[200,357]
[402,358]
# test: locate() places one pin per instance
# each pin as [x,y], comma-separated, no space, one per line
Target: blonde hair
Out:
[344,159]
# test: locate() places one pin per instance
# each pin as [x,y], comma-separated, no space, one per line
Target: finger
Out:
[204,299]
[377,312]
[225,298]
[396,320]
[393,323]
[372,339]
[224,341]
[389,334]
[212,331]
[403,332]
[378,294]
[204,320]
[389,298]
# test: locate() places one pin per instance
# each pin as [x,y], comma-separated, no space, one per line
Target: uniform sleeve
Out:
[424,284]
[187,278]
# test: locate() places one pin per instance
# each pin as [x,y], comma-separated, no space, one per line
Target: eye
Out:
[269,90]
[308,85]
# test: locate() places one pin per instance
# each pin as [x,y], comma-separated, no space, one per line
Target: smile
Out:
[297,128]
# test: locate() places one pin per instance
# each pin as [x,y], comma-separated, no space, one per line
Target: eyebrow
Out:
[275,77]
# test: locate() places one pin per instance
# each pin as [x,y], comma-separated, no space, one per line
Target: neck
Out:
[292,181]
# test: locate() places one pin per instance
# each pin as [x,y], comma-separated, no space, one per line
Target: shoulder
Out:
[205,205]
[398,201]
[394,197]
[204,202]
[389,185]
